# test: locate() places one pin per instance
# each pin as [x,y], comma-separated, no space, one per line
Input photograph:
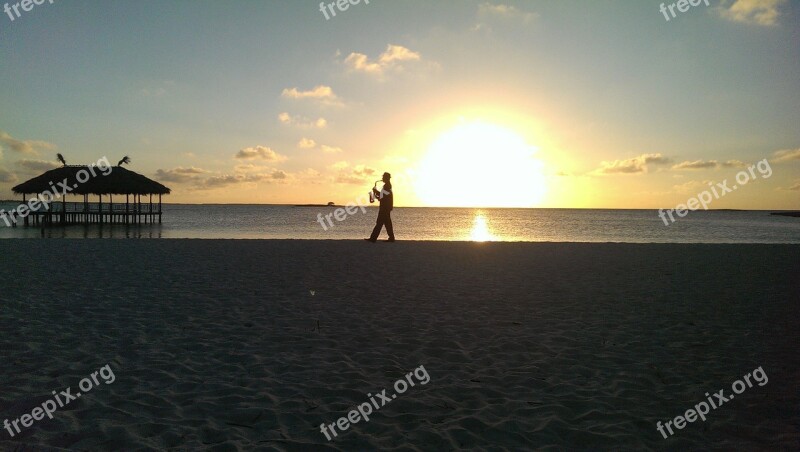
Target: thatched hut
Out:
[85,180]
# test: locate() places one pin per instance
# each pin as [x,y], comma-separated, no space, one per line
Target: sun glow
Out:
[477,164]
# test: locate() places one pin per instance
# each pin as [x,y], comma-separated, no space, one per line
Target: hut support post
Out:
[25,220]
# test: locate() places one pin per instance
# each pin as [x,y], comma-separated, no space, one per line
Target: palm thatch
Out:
[119,181]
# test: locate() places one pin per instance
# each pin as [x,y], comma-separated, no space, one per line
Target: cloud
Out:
[157,89]
[25,146]
[260,152]
[391,58]
[7,176]
[697,164]
[754,12]
[505,12]
[301,121]
[733,164]
[633,165]
[307,143]
[179,174]
[225,180]
[321,93]
[795,187]
[309,173]
[356,176]
[38,166]
[362,170]
[787,155]
[708,164]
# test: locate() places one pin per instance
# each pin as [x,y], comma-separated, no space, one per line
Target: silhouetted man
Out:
[386,197]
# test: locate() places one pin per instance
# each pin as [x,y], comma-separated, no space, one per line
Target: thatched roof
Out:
[119,181]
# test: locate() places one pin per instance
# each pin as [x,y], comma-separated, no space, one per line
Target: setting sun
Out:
[477,164]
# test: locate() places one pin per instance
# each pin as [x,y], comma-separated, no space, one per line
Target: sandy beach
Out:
[251,345]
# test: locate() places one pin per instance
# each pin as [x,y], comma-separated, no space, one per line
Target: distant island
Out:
[787,214]
[330,204]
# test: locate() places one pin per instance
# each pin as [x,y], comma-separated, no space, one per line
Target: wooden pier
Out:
[68,213]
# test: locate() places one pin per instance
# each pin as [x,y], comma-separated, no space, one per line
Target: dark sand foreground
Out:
[215,344]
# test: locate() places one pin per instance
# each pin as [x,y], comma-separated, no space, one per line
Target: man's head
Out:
[387,177]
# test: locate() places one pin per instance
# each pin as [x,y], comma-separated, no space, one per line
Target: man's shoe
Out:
[391,239]
[370,240]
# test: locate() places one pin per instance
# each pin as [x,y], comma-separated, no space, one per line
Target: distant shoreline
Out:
[787,213]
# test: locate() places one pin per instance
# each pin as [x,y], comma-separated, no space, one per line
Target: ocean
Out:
[448,224]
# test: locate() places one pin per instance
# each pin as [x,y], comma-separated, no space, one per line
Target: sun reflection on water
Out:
[480,230]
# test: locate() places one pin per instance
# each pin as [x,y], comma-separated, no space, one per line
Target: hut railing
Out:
[80,207]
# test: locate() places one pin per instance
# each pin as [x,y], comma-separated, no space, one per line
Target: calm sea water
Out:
[415,223]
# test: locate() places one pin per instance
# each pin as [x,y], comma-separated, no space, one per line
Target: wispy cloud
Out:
[260,152]
[179,174]
[355,176]
[158,89]
[787,155]
[7,176]
[490,14]
[38,165]
[505,12]
[307,143]
[392,58]
[321,93]
[301,121]
[633,165]
[25,146]
[755,12]
[225,180]
[696,165]
[733,164]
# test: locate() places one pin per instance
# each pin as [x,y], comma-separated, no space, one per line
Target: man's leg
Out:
[389,228]
[378,226]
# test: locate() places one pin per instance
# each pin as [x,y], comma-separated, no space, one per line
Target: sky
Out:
[565,104]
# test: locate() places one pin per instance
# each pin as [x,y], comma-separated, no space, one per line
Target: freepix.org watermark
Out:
[365,409]
[681,5]
[701,409]
[56,191]
[704,198]
[349,209]
[341,5]
[24,5]
[60,400]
